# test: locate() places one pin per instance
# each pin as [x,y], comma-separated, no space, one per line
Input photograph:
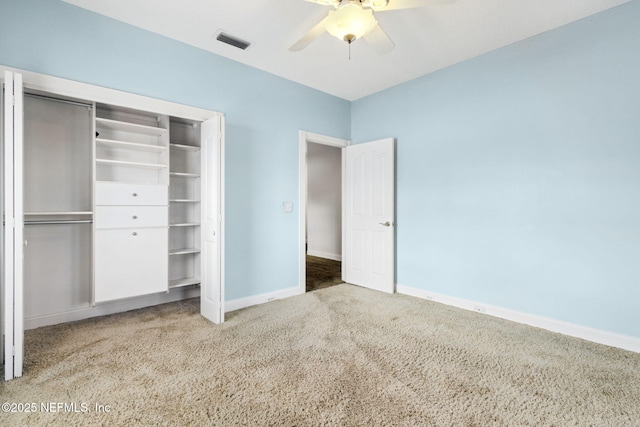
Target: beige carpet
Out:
[340,356]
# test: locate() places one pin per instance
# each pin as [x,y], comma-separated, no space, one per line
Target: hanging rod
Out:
[58,213]
[61,221]
[64,101]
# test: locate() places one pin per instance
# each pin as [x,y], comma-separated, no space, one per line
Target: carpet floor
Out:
[340,356]
[322,273]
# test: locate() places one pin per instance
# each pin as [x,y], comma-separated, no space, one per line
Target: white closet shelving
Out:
[131,198]
[184,204]
[131,147]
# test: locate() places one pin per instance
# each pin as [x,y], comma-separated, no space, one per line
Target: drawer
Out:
[130,263]
[113,193]
[130,216]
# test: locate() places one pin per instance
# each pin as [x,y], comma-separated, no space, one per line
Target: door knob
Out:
[386,223]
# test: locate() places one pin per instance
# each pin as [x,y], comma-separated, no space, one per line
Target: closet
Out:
[57,206]
[111,201]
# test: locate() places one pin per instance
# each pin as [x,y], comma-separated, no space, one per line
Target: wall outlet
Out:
[287,207]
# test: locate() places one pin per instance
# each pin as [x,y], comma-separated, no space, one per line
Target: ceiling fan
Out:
[351,20]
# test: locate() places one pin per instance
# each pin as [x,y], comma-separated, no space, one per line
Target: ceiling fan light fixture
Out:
[350,21]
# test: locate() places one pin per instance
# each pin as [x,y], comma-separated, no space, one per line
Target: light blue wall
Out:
[263,116]
[519,174]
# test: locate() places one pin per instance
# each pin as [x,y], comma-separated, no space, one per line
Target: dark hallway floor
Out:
[322,273]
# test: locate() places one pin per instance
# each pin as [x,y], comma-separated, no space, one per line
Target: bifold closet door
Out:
[211,290]
[58,178]
[12,283]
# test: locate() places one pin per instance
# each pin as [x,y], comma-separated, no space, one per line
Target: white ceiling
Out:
[427,39]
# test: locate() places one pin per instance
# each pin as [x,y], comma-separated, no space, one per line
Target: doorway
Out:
[321,167]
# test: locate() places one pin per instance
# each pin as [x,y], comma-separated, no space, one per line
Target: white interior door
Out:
[211,290]
[12,297]
[369,205]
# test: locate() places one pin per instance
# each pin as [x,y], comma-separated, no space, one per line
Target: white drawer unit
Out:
[130,262]
[131,240]
[130,216]
[112,193]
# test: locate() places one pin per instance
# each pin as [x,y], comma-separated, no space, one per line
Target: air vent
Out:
[233,41]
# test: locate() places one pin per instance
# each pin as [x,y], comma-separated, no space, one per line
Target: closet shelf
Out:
[184,251]
[130,164]
[111,181]
[185,147]
[129,127]
[185,175]
[130,145]
[184,282]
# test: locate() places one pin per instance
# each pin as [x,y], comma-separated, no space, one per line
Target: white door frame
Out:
[305,138]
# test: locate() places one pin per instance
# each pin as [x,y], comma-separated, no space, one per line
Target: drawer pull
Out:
[134,233]
[135,194]
[135,217]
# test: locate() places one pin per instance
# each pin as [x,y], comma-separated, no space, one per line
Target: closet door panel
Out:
[130,262]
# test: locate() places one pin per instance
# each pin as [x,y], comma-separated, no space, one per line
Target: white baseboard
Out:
[148,301]
[590,334]
[106,308]
[239,303]
[326,255]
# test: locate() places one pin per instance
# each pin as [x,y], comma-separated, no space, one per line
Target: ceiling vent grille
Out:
[233,41]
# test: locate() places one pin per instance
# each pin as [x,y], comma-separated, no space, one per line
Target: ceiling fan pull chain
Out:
[349,38]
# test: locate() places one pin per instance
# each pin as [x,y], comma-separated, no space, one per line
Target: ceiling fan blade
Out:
[306,40]
[325,2]
[379,40]
[379,6]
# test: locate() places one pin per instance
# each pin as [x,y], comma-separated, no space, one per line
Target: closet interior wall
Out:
[57,205]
